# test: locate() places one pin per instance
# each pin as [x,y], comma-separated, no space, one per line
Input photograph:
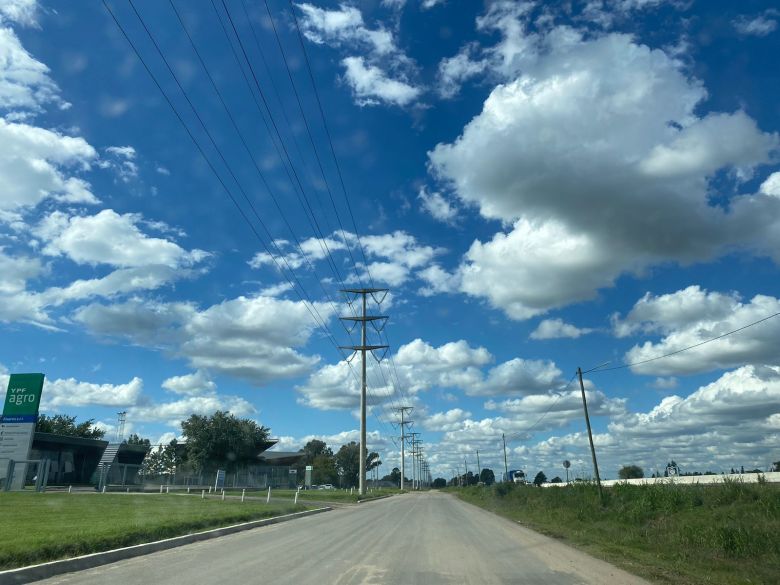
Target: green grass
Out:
[44,527]
[699,534]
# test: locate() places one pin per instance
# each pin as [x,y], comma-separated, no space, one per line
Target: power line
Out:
[695,345]
[302,294]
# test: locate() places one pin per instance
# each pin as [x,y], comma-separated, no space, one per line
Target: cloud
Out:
[32,165]
[380,75]
[758,26]
[435,205]
[562,408]
[418,367]
[250,338]
[25,85]
[71,392]
[692,315]
[175,411]
[344,25]
[517,376]
[110,238]
[445,421]
[771,186]
[454,71]
[557,329]
[190,384]
[16,303]
[669,383]
[23,12]
[642,153]
[392,257]
[122,160]
[371,85]
[438,281]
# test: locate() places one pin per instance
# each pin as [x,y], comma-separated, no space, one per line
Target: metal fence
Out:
[254,477]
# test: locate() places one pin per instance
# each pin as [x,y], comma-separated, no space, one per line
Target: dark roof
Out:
[281,457]
[68,440]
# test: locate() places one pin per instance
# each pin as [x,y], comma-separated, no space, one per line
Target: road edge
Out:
[53,568]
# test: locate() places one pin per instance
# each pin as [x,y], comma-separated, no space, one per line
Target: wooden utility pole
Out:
[590,433]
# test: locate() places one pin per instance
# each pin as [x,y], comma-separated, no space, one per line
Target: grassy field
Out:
[717,534]
[45,527]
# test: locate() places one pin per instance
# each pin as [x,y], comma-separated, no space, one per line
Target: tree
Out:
[540,478]
[394,476]
[631,472]
[556,479]
[136,440]
[62,424]
[324,469]
[372,461]
[164,460]
[317,454]
[776,466]
[348,461]
[439,483]
[487,476]
[222,441]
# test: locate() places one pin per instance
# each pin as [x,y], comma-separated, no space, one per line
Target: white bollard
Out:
[161,486]
[202,494]
[268,497]
[296,497]
[70,488]
[243,493]
[209,489]
[167,489]
[223,495]
[104,489]
[188,490]
[128,490]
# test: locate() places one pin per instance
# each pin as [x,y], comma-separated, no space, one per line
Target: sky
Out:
[186,188]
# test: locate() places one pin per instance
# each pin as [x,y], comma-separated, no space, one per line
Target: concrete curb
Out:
[50,569]
[376,498]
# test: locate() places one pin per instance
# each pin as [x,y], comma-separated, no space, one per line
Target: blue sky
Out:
[542,186]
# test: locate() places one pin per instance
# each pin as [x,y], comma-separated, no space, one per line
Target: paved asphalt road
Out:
[427,539]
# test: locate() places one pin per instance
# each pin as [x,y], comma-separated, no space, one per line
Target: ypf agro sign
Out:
[17,425]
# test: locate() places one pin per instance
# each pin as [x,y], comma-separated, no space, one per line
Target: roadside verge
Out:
[50,569]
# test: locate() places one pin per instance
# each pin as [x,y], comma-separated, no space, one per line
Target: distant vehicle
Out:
[327,486]
[518,476]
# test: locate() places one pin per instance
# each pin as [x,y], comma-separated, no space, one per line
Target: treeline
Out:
[339,469]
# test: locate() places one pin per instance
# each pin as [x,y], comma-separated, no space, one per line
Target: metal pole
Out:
[403,442]
[362,483]
[479,469]
[506,466]
[590,433]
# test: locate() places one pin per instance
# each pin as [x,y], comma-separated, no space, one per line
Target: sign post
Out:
[17,425]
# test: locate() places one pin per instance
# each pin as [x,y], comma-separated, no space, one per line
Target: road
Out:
[425,538]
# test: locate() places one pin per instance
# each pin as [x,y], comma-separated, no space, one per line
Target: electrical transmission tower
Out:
[120,429]
[402,410]
[363,348]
